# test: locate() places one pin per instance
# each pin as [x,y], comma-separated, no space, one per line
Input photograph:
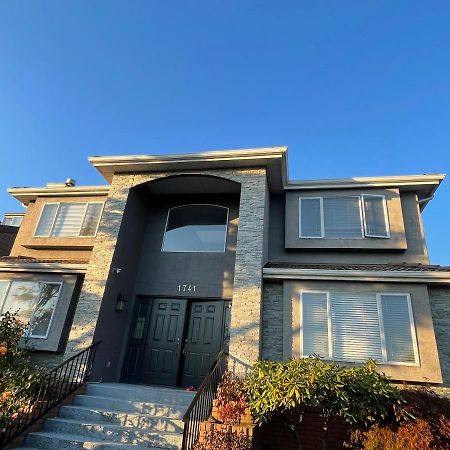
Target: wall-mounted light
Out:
[120,303]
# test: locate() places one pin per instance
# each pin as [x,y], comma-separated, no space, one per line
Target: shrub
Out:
[15,369]
[231,399]
[358,395]
[426,428]
[221,440]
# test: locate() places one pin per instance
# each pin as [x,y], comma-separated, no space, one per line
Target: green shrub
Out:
[360,395]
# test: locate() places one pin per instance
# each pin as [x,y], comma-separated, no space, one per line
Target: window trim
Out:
[362,216]
[28,332]
[54,220]
[386,216]
[196,251]
[385,361]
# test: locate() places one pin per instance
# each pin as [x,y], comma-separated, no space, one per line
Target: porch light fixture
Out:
[120,303]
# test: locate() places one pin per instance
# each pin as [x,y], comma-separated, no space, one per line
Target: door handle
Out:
[185,347]
[178,347]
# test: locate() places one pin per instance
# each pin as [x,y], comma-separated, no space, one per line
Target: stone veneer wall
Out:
[272,322]
[247,294]
[440,310]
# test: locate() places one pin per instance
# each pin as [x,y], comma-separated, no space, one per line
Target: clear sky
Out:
[354,88]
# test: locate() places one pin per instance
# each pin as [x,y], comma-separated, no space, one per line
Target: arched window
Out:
[196,228]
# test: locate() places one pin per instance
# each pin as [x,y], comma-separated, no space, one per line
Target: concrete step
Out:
[113,433]
[134,392]
[58,441]
[119,405]
[150,422]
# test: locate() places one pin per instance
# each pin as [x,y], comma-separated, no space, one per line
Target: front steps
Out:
[116,416]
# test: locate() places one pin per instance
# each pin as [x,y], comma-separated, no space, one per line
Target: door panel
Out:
[136,343]
[163,348]
[203,341]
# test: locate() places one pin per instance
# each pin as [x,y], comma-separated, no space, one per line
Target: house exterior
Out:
[178,256]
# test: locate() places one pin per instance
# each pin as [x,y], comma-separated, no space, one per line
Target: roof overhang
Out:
[50,267]
[424,185]
[25,195]
[428,277]
[273,158]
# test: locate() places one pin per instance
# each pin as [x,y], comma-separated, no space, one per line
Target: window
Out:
[196,228]
[353,217]
[357,326]
[12,220]
[35,302]
[69,219]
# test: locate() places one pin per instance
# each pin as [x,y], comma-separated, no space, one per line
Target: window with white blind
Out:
[352,217]
[33,301]
[354,327]
[69,219]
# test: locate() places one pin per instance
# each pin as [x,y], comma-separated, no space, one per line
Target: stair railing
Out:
[201,406]
[49,391]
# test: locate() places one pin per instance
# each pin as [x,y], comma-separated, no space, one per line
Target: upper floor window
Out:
[69,219]
[346,326]
[13,220]
[35,302]
[352,217]
[196,228]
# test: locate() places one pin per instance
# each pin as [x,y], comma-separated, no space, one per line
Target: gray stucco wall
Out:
[272,322]
[416,251]
[440,309]
[160,273]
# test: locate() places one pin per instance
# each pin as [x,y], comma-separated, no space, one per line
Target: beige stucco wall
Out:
[429,370]
[67,248]
[247,290]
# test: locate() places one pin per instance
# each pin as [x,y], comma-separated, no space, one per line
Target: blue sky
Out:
[353,88]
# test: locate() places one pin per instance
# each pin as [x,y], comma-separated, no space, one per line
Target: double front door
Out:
[173,342]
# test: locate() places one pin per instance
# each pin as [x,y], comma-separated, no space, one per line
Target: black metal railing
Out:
[50,390]
[201,406]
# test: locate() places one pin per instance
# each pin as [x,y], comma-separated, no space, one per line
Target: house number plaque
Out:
[187,287]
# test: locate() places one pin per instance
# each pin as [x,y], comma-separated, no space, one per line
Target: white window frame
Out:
[29,333]
[362,216]
[416,362]
[196,251]
[386,217]
[322,220]
[56,215]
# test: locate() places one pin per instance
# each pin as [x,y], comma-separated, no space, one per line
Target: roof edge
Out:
[27,194]
[427,277]
[43,267]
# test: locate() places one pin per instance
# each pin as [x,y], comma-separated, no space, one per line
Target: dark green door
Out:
[203,341]
[161,360]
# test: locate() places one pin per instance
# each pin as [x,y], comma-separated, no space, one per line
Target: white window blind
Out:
[375,217]
[69,219]
[349,326]
[356,327]
[310,217]
[342,217]
[397,328]
[314,324]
